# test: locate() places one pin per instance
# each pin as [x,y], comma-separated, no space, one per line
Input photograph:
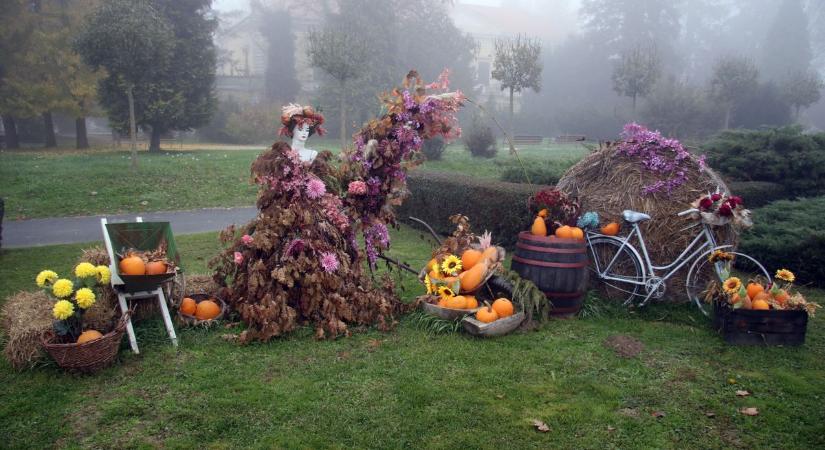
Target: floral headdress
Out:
[296,115]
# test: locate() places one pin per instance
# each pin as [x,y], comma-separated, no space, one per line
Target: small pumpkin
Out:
[503,307]
[780,295]
[207,310]
[539,228]
[611,229]
[577,233]
[761,304]
[89,335]
[753,289]
[156,267]
[457,302]
[487,315]
[564,232]
[132,265]
[471,279]
[472,303]
[470,258]
[188,306]
[442,302]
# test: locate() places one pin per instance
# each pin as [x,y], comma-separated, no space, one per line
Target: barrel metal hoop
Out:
[569,251]
[533,262]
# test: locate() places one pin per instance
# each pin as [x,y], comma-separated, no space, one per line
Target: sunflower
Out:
[451,265]
[720,255]
[785,275]
[445,292]
[429,284]
[732,285]
[45,278]
[435,268]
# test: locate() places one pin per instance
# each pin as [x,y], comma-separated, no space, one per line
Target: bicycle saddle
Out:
[634,217]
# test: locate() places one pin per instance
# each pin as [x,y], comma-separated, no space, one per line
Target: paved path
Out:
[68,230]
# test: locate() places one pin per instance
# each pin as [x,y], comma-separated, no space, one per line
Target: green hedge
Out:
[540,172]
[789,234]
[496,206]
[758,193]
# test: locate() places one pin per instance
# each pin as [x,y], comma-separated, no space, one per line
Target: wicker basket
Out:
[88,357]
[188,320]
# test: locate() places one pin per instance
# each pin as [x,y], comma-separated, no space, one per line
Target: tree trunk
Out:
[512,124]
[727,117]
[81,138]
[12,140]
[154,143]
[342,105]
[48,130]
[132,127]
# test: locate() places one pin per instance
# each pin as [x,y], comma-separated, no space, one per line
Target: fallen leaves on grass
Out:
[751,411]
[742,393]
[624,346]
[658,414]
[541,426]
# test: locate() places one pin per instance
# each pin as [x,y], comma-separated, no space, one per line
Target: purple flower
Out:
[409,103]
[329,262]
[315,188]
[238,258]
[357,187]
[246,239]
[294,247]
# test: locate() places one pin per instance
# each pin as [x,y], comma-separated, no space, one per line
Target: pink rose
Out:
[357,188]
[238,258]
[246,239]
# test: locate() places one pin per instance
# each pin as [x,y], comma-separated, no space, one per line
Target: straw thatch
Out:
[25,317]
[608,184]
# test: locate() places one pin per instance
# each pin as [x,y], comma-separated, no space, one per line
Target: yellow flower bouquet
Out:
[72,297]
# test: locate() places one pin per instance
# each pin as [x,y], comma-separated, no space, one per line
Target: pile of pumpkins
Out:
[466,273]
[539,228]
[500,309]
[202,310]
[134,264]
[756,297]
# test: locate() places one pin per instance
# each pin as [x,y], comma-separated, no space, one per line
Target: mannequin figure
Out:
[299,123]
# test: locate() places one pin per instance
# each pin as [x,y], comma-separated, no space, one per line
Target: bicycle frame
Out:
[702,243]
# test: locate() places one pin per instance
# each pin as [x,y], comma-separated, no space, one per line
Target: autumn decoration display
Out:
[154,262]
[73,296]
[718,209]
[553,209]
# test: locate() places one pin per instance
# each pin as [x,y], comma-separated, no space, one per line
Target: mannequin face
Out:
[300,132]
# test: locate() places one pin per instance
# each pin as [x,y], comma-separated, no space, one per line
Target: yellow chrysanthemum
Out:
[732,285]
[103,274]
[46,277]
[429,284]
[85,298]
[785,275]
[63,310]
[85,270]
[451,265]
[62,288]
[444,291]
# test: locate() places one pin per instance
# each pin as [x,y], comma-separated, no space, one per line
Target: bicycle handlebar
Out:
[687,212]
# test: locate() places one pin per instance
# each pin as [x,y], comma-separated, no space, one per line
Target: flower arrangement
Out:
[756,294]
[296,115]
[72,296]
[719,209]
[555,207]
[664,157]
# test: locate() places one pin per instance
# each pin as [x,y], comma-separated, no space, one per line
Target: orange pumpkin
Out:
[470,258]
[564,232]
[188,306]
[457,302]
[132,265]
[577,233]
[543,213]
[472,303]
[753,289]
[487,314]
[539,228]
[471,279]
[442,302]
[781,296]
[759,303]
[88,335]
[490,254]
[503,307]
[207,310]
[156,268]
[610,229]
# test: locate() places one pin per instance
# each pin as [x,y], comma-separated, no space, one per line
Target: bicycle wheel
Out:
[702,272]
[614,270]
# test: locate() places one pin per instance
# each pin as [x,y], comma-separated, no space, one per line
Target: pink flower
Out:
[705,203]
[315,188]
[238,258]
[735,200]
[246,239]
[357,188]
[329,262]
[725,210]
[294,247]
[716,197]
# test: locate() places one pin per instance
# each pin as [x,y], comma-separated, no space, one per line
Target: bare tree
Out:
[341,53]
[637,72]
[733,78]
[801,89]
[517,66]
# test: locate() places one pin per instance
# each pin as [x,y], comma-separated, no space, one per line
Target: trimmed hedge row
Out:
[496,206]
[789,234]
[758,193]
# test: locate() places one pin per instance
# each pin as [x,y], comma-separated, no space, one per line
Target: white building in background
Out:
[242,49]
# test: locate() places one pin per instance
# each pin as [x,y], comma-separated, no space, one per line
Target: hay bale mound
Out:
[200,284]
[609,183]
[25,317]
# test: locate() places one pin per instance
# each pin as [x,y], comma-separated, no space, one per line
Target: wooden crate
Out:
[499,327]
[759,327]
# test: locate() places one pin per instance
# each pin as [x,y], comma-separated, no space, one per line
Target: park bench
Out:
[566,138]
[527,140]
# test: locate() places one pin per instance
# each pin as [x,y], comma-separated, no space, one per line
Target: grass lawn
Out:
[38,183]
[408,388]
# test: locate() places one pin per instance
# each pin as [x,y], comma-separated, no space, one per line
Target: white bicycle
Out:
[626,272]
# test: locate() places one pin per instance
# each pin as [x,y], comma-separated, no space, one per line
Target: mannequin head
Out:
[301,132]
[301,122]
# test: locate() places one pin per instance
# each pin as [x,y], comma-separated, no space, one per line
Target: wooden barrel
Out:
[556,266]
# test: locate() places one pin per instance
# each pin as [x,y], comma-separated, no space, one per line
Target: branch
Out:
[435,235]
[399,264]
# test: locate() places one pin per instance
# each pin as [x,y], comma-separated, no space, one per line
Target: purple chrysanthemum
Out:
[294,247]
[329,261]
[315,188]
